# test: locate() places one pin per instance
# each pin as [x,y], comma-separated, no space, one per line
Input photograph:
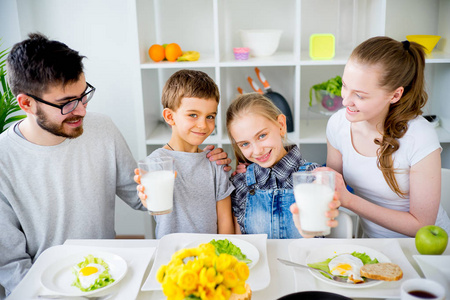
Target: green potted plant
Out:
[327,94]
[8,103]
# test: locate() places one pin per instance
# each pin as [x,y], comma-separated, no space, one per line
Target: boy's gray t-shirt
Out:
[199,184]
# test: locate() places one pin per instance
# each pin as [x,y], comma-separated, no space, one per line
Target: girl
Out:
[380,144]
[264,194]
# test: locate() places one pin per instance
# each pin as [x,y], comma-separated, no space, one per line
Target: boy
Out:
[202,202]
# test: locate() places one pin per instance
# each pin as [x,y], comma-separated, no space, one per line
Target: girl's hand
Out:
[340,185]
[331,214]
[219,156]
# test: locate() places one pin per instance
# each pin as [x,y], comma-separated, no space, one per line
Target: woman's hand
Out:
[340,185]
[331,215]
[219,156]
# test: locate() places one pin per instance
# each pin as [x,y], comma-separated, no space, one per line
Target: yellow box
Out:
[428,41]
[321,46]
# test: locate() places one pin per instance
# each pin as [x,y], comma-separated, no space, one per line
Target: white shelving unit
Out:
[211,27]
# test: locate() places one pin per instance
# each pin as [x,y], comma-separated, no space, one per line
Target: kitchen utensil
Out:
[277,99]
[261,42]
[428,41]
[254,86]
[293,264]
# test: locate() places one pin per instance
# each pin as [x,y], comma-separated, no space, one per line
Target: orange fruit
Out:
[156,52]
[173,51]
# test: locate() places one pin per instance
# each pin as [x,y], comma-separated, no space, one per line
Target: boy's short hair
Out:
[188,84]
[37,63]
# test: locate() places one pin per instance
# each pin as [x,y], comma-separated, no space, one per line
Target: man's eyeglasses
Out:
[72,104]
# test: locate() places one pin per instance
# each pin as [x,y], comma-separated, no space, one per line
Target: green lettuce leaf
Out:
[103,279]
[227,247]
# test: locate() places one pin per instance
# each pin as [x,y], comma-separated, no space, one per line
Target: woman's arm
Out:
[334,158]
[225,223]
[425,187]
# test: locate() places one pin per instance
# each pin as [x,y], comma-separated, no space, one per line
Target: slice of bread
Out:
[382,271]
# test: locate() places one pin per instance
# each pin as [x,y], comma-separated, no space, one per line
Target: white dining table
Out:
[282,280]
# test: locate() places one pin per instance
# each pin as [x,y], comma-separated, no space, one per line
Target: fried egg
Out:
[347,265]
[89,274]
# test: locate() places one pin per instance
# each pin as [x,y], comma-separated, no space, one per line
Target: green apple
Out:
[431,240]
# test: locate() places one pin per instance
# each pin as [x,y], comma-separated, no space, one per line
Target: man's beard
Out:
[58,129]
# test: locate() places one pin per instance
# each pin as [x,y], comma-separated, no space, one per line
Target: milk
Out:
[159,190]
[312,201]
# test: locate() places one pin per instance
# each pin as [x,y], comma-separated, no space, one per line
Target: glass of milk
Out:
[158,177]
[313,192]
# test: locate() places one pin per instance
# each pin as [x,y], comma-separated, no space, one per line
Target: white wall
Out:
[104,32]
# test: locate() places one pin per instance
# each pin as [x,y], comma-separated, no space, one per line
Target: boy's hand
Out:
[140,188]
[219,156]
[331,214]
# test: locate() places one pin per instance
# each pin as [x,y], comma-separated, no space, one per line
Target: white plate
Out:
[58,277]
[323,253]
[248,249]
[435,267]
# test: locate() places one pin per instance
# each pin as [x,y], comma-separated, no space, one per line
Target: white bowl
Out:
[261,42]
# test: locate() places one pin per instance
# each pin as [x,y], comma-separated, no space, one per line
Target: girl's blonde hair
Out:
[244,105]
[402,65]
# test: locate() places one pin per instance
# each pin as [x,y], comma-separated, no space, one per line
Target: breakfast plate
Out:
[246,248]
[58,277]
[324,253]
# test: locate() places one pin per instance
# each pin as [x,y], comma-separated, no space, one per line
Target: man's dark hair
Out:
[37,63]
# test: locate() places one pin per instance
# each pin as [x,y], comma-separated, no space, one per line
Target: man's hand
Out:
[219,156]
[241,168]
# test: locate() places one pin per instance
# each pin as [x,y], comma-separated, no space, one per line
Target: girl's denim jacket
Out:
[263,196]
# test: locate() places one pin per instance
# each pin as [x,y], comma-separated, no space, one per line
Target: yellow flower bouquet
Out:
[199,273]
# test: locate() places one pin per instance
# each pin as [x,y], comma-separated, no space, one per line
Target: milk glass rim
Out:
[312,172]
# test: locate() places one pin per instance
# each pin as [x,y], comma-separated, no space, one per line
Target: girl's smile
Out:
[264,157]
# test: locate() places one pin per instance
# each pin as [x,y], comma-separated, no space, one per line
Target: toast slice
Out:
[382,271]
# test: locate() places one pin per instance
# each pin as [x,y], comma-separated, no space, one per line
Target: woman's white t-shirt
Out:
[362,174]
